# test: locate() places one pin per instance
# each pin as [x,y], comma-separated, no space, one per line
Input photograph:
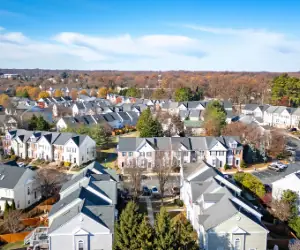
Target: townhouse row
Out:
[275,116]
[217,211]
[50,146]
[85,215]
[148,152]
[114,120]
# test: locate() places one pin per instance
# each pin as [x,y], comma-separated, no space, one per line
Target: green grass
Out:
[11,246]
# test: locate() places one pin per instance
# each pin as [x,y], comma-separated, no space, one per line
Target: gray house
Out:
[215,208]
[84,217]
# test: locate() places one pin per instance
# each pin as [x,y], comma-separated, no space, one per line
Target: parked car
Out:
[146,191]
[280,164]
[275,168]
[21,164]
[293,129]
[175,191]
[154,190]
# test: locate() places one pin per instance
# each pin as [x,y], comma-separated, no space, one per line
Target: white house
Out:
[221,219]
[84,216]
[50,146]
[289,182]
[18,184]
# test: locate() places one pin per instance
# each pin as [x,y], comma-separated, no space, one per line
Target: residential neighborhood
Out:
[149,125]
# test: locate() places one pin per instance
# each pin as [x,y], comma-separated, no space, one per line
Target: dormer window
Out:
[233,145]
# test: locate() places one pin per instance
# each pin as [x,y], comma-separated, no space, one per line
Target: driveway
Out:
[174,181]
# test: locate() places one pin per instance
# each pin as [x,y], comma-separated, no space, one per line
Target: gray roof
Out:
[10,175]
[174,143]
[250,107]
[80,193]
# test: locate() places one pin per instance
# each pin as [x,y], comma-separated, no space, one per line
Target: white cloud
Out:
[227,49]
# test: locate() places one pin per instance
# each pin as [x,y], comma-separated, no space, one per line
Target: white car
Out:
[280,165]
[21,164]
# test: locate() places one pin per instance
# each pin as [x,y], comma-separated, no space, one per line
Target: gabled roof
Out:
[10,175]
[250,107]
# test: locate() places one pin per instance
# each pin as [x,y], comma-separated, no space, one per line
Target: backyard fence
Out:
[11,238]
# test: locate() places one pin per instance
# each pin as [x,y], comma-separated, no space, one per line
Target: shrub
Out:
[280,156]
[178,202]
[67,164]
[13,157]
[226,166]
[243,164]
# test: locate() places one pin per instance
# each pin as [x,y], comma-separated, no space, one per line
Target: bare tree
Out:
[163,169]
[295,245]
[12,221]
[135,176]
[280,209]
[49,182]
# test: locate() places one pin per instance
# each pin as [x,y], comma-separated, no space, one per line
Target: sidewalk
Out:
[150,210]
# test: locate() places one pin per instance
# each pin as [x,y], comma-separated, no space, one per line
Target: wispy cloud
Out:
[228,49]
[6,13]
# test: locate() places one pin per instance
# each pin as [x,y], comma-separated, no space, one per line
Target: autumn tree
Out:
[93,93]
[214,118]
[83,92]
[159,94]
[4,100]
[102,92]
[134,171]
[74,94]
[34,93]
[43,94]
[58,93]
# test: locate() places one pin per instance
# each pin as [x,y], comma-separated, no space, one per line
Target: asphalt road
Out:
[269,176]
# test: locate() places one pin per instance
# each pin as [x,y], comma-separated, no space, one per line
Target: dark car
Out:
[146,191]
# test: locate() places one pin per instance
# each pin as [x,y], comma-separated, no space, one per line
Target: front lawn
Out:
[15,245]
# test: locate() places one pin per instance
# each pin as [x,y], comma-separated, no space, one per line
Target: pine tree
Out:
[42,124]
[6,209]
[185,235]
[147,126]
[126,229]
[164,231]
[145,235]
[13,205]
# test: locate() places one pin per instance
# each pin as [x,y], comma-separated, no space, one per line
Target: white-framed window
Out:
[123,153]
[237,244]
[221,153]
[149,154]
[130,154]
[142,153]
[80,245]
[214,162]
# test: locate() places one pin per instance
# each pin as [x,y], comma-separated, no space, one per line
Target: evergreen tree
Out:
[127,228]
[145,235]
[165,234]
[186,237]
[147,126]
[42,124]
[13,205]
[6,209]
[32,123]
[100,135]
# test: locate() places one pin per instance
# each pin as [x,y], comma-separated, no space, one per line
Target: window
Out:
[122,164]
[237,244]
[185,153]
[28,202]
[74,160]
[82,158]
[123,153]
[214,162]
[80,245]
[213,153]
[130,154]
[28,191]
[142,153]
[237,162]
[221,153]
[149,154]
[35,196]
[18,204]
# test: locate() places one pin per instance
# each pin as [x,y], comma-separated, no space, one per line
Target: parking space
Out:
[151,181]
[269,176]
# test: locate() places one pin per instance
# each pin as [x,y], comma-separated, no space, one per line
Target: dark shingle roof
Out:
[10,175]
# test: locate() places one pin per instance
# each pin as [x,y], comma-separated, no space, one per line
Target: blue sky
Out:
[248,35]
